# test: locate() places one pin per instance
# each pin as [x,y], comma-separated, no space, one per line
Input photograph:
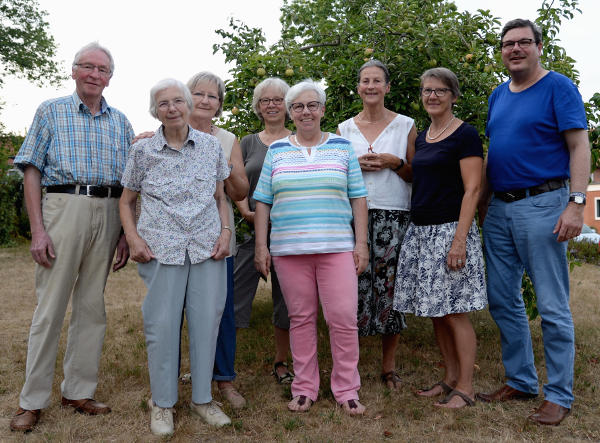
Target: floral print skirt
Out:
[425,285]
[376,314]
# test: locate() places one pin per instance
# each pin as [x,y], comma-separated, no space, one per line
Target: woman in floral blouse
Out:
[179,244]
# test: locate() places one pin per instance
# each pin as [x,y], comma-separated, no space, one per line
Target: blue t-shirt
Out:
[437,180]
[527,145]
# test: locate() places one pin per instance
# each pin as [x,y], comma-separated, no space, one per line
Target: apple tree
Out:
[328,41]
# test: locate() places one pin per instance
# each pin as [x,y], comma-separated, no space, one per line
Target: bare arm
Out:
[485,196]
[236,185]
[262,257]
[139,249]
[41,244]
[361,217]
[221,248]
[244,208]
[570,221]
[470,169]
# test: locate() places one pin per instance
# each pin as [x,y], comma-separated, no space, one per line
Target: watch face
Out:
[580,200]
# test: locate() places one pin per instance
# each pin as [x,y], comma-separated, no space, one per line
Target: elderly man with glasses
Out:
[538,140]
[76,149]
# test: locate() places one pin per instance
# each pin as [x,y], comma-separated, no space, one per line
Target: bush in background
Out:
[585,250]
[14,222]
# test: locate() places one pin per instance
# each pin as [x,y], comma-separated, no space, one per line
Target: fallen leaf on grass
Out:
[593,361]
[477,368]
[378,417]
[388,434]
[248,433]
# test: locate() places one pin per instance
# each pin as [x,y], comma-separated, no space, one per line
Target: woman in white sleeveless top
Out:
[380,138]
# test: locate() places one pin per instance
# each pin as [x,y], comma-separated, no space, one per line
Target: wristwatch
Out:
[577,197]
[399,166]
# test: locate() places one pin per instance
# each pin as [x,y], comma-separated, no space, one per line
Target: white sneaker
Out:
[161,419]
[211,413]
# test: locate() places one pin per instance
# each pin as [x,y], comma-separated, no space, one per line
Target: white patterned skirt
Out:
[426,286]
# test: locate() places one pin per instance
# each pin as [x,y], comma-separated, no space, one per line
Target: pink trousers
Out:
[330,278]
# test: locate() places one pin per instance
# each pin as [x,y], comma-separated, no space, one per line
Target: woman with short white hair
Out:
[312,189]
[179,243]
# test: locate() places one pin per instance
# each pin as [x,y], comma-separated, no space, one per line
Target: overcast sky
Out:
[151,40]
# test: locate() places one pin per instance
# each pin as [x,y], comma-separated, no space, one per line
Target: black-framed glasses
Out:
[439,92]
[523,43]
[89,67]
[299,107]
[265,101]
[201,95]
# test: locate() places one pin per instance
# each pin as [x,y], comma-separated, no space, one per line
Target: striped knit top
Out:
[310,196]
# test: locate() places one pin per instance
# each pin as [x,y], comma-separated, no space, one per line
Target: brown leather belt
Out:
[90,191]
[520,194]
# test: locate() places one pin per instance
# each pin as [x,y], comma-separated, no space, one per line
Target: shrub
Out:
[585,250]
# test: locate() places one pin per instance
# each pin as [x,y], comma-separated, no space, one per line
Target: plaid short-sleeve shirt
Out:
[71,146]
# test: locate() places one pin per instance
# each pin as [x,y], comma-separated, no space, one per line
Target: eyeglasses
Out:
[299,107]
[266,101]
[439,92]
[523,43]
[88,67]
[201,96]
[165,106]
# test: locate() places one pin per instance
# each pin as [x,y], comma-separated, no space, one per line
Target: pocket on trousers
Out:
[546,200]
[53,201]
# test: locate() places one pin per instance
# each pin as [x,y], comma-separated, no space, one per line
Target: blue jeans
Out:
[226,344]
[518,236]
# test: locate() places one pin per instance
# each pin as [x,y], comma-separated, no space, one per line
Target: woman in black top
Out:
[441,271]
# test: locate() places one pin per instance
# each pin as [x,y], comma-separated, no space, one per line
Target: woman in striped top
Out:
[311,188]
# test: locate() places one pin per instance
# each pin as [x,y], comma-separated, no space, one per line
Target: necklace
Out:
[305,147]
[433,138]
[211,129]
[372,123]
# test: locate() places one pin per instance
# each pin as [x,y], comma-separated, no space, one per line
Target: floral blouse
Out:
[179,211]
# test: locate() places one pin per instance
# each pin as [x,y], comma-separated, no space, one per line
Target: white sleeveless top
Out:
[385,188]
[227,138]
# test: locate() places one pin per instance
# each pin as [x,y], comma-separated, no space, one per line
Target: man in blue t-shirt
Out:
[538,139]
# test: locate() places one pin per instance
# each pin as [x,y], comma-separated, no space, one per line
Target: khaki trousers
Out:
[84,232]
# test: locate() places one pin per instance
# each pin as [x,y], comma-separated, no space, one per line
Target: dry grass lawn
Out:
[392,416]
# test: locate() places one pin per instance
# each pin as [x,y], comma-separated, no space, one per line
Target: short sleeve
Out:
[35,146]
[134,170]
[471,145]
[356,184]
[568,106]
[264,189]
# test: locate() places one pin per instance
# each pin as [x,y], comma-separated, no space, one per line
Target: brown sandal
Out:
[393,377]
[468,401]
[446,389]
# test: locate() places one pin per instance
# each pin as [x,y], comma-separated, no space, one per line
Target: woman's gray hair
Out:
[209,77]
[376,64]
[304,86]
[94,46]
[269,83]
[444,75]
[167,83]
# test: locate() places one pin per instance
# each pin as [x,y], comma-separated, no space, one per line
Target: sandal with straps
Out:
[468,401]
[393,377]
[286,378]
[445,389]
